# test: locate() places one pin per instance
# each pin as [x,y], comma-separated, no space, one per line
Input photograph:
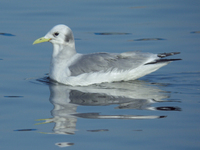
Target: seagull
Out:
[75,69]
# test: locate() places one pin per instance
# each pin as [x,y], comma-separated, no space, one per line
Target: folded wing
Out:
[104,62]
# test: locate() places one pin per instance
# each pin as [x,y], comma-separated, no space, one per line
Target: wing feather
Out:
[105,62]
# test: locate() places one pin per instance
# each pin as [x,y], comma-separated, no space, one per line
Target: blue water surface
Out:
[158,111]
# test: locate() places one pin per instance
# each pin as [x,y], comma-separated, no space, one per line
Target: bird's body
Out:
[71,68]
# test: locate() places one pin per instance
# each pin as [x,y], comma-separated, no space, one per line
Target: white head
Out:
[60,35]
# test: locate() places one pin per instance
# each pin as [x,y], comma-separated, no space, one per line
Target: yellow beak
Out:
[40,40]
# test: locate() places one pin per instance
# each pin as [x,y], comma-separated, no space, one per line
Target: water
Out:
[158,111]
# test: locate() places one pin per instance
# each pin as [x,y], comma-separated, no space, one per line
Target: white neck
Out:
[60,59]
[63,51]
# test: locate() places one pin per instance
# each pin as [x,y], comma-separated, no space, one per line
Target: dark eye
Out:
[56,34]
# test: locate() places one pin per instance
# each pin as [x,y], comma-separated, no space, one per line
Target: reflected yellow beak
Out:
[40,40]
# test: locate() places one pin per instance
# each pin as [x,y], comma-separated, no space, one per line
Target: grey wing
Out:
[108,61]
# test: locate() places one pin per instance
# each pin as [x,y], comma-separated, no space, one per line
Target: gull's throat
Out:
[60,60]
[63,51]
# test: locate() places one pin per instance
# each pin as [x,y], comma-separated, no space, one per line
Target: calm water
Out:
[158,111]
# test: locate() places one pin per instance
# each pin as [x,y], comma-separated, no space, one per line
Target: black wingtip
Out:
[162,55]
[162,61]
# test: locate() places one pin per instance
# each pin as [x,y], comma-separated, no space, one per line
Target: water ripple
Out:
[195,32]
[111,33]
[7,34]
[148,39]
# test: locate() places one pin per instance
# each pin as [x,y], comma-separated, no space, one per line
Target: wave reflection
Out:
[138,95]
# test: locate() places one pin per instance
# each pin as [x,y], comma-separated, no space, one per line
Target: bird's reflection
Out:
[127,95]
